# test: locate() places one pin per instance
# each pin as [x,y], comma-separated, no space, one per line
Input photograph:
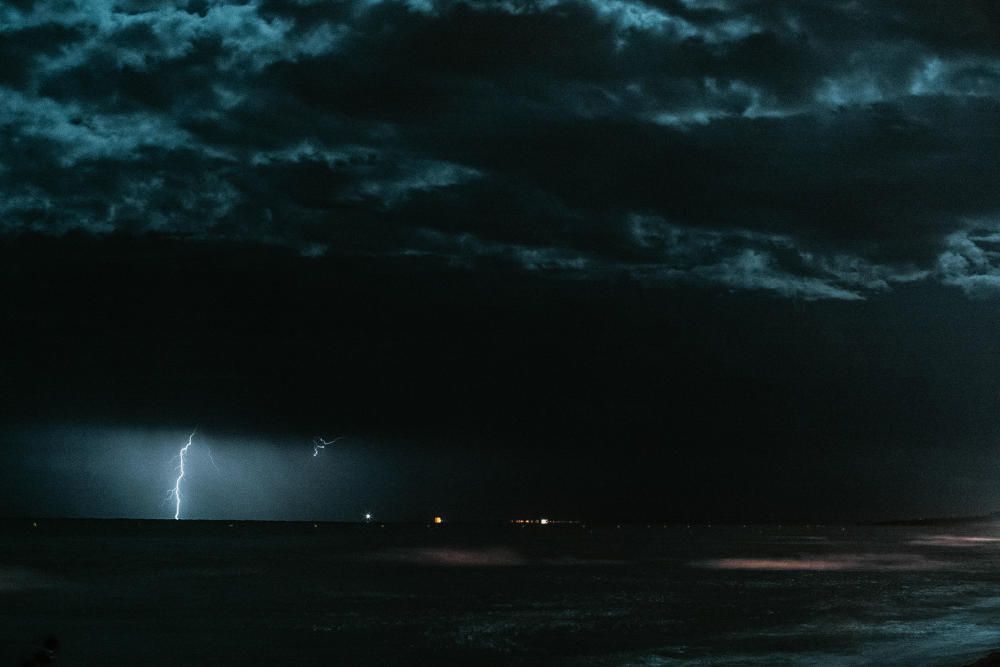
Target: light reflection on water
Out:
[493,595]
[872,595]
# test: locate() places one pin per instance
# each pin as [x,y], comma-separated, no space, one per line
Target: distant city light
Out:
[368,516]
[438,519]
[544,522]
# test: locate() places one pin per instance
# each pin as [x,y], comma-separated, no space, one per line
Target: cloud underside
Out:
[818,150]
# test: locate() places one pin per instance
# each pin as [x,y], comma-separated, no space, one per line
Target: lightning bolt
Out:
[208,450]
[176,493]
[319,443]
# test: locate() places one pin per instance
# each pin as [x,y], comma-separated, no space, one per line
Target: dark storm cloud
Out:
[813,150]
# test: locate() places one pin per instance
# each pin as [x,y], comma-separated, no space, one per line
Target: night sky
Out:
[692,260]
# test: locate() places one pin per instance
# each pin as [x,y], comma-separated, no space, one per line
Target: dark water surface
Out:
[193,593]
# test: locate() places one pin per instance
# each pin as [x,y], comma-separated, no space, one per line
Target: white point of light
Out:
[176,493]
[544,522]
[319,443]
[368,516]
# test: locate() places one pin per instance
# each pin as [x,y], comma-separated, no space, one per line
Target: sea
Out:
[141,592]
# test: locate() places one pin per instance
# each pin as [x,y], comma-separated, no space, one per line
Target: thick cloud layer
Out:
[813,150]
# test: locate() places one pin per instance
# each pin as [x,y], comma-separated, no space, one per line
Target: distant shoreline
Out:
[8,522]
[992,517]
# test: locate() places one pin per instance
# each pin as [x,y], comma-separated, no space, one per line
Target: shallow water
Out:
[169,593]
